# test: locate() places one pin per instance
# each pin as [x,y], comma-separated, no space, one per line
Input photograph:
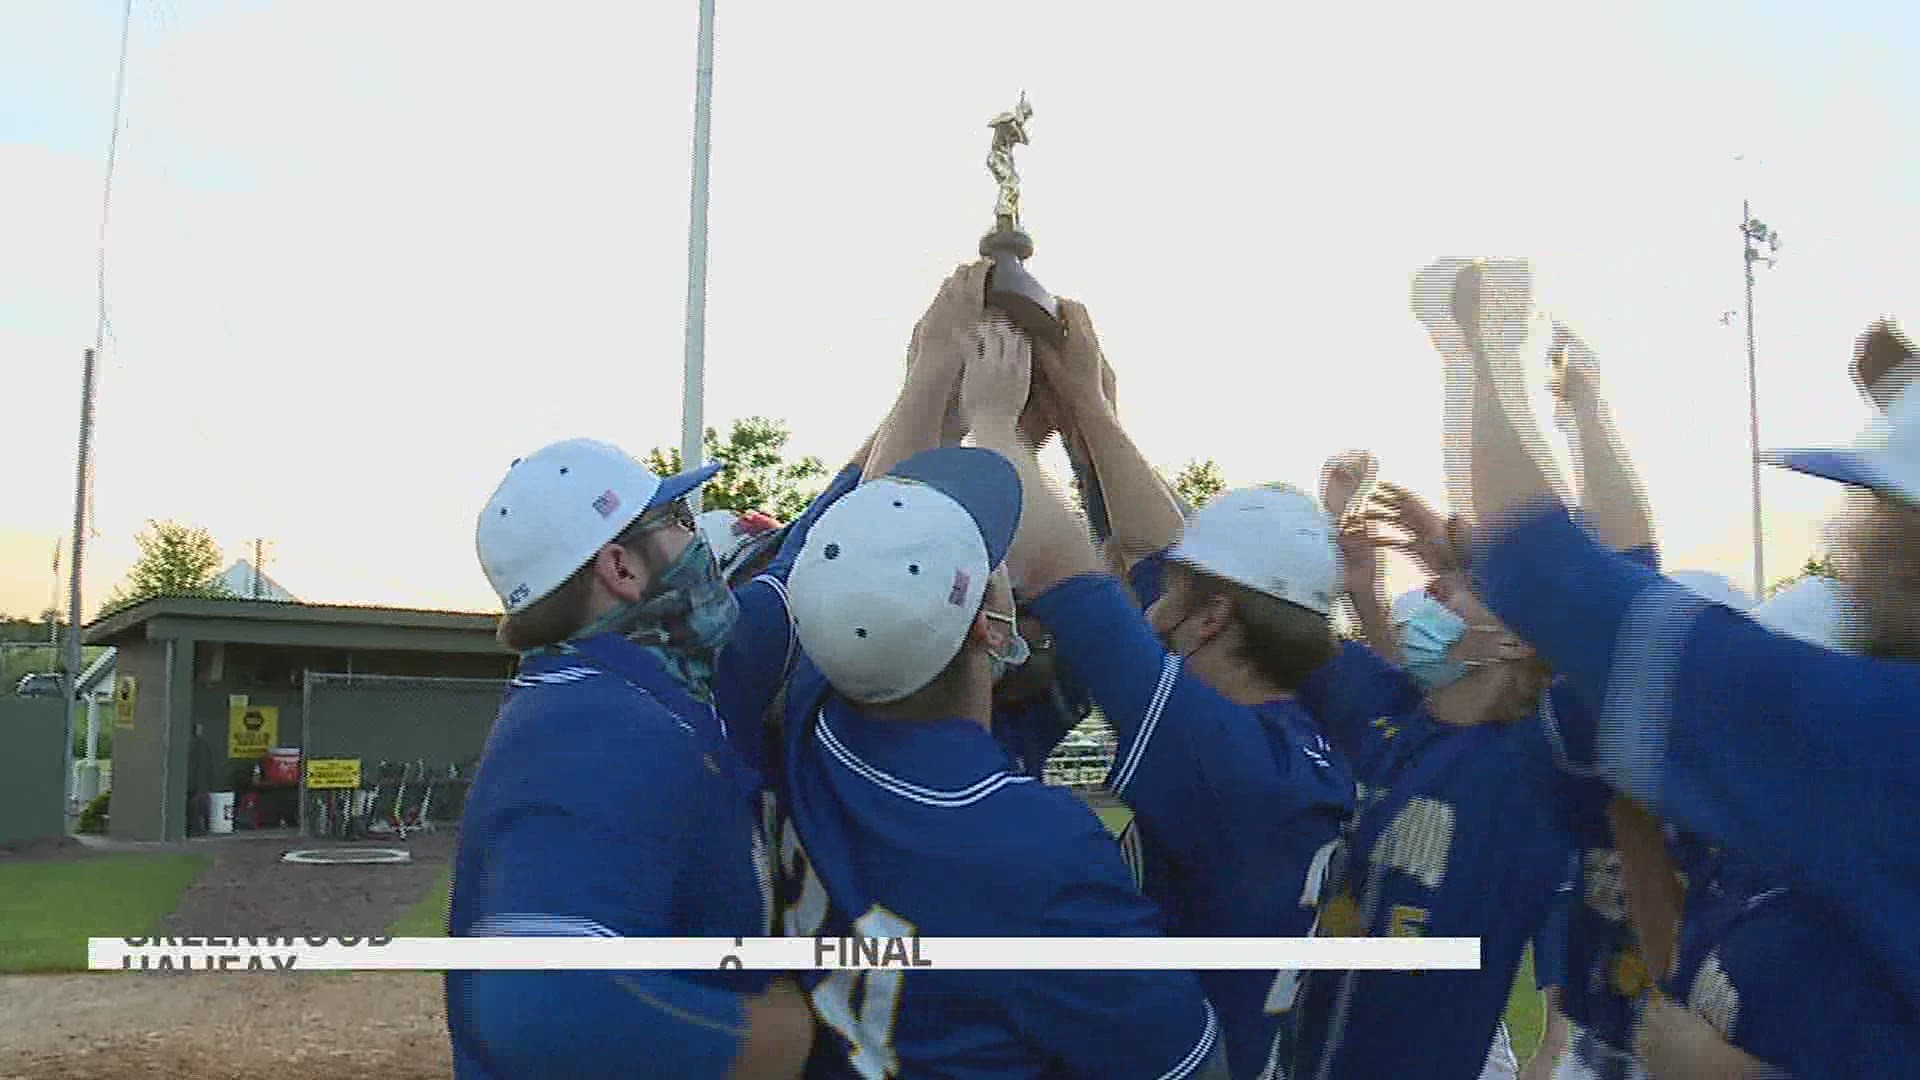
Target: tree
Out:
[1815,566]
[1197,482]
[754,473]
[175,560]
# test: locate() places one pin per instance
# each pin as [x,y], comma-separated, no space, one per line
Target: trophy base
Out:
[1014,291]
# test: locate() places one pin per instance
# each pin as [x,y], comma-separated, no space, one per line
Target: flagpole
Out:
[692,420]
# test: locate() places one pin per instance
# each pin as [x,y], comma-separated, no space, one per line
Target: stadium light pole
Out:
[692,420]
[1753,235]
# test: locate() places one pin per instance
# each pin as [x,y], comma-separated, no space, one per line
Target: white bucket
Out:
[220,812]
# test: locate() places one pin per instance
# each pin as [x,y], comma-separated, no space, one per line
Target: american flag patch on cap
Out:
[607,503]
[960,583]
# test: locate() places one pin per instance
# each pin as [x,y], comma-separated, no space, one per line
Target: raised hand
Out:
[1424,534]
[1076,370]
[1343,479]
[994,385]
[1573,375]
[945,330]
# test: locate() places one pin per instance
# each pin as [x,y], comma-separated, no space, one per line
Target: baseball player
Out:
[902,815]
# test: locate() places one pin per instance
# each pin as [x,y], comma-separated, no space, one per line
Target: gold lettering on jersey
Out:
[1340,917]
[1714,998]
[1629,976]
[868,952]
[1418,840]
[1408,921]
[1387,728]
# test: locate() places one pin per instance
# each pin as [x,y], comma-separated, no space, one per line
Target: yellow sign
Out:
[125,693]
[251,730]
[328,773]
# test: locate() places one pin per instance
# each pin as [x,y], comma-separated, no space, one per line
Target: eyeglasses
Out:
[1039,644]
[676,512]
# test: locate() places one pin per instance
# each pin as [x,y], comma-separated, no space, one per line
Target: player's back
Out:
[1459,842]
[920,828]
[1780,977]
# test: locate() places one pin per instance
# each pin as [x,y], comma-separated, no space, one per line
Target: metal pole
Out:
[1753,402]
[70,684]
[692,420]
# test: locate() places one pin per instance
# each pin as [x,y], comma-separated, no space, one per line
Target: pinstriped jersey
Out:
[924,828]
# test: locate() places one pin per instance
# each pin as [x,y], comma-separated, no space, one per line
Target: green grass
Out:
[428,915]
[48,910]
[1526,1019]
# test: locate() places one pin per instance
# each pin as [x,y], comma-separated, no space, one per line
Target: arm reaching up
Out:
[1611,495]
[1140,508]
[1051,544]
[941,341]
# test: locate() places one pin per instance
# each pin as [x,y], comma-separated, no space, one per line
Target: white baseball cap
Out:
[1715,587]
[1814,609]
[893,574]
[1272,539]
[1885,458]
[559,505]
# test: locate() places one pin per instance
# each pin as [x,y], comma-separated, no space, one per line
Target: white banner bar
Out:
[778,954]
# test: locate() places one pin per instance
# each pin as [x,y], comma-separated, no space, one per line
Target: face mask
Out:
[1430,630]
[684,618]
[1013,654]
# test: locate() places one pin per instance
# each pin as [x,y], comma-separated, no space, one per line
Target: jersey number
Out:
[868,1031]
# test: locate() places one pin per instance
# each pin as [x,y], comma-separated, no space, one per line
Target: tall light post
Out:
[692,420]
[1758,243]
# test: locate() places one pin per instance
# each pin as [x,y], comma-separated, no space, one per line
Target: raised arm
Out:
[941,339]
[1611,495]
[1468,311]
[1142,514]
[1051,544]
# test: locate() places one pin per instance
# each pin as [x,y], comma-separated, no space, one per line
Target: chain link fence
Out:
[389,755]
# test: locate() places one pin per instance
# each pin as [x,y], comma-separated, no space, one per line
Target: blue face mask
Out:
[1429,632]
[1013,654]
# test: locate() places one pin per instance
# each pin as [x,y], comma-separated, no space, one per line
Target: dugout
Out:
[202,683]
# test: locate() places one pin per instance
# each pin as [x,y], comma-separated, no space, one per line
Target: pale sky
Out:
[364,254]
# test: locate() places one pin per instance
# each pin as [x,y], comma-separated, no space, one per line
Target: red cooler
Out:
[282,766]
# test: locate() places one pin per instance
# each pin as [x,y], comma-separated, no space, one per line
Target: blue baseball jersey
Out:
[1773,972]
[554,843]
[1461,832]
[1715,724]
[917,828]
[1550,941]
[1029,731]
[760,653]
[1233,806]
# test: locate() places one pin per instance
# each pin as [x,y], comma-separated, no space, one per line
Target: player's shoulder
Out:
[562,713]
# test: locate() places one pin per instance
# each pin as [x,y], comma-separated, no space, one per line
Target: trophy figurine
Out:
[1010,288]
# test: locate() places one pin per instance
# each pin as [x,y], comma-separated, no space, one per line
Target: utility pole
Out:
[256,568]
[692,418]
[1754,234]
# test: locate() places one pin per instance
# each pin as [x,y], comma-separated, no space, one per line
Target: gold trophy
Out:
[1010,288]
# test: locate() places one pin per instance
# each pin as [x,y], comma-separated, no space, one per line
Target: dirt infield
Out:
[205,1027]
[215,1027]
[249,891]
